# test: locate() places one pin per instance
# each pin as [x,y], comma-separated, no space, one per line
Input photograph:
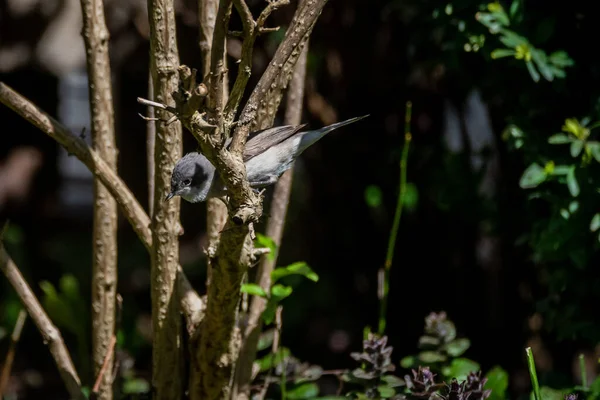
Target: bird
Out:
[267,155]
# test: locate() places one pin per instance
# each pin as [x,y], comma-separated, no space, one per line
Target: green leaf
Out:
[265,241]
[497,381]
[576,147]
[271,360]
[430,357]
[532,71]
[573,206]
[459,368]
[595,149]
[303,391]
[561,59]
[595,222]
[411,196]
[136,386]
[297,268]
[253,289]
[500,53]
[312,373]
[564,213]
[548,393]
[533,176]
[540,59]
[373,196]
[559,138]
[385,391]
[408,362]
[572,182]
[514,7]
[457,347]
[69,287]
[393,381]
[281,292]
[511,39]
[561,170]
[265,339]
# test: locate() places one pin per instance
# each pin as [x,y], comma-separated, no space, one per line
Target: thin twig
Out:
[12,348]
[274,230]
[150,140]
[109,353]
[50,334]
[300,27]
[384,276]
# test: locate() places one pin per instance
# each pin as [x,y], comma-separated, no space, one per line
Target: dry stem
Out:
[50,334]
[167,360]
[104,265]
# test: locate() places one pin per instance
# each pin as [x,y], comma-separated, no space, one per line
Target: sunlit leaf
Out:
[572,182]
[559,138]
[457,347]
[576,147]
[532,71]
[253,289]
[265,241]
[459,368]
[497,381]
[561,59]
[500,53]
[297,268]
[303,391]
[533,176]
[385,391]
[573,206]
[595,222]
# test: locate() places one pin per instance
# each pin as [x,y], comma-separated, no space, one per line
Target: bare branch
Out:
[50,334]
[10,354]
[104,265]
[251,31]
[167,353]
[133,211]
[274,230]
[293,42]
[218,69]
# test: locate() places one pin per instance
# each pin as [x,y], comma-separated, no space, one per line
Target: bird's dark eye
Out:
[187,182]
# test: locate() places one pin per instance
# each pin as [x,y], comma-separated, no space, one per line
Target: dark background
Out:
[366,57]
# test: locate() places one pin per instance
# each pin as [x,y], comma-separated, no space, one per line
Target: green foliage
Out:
[68,310]
[537,61]
[441,349]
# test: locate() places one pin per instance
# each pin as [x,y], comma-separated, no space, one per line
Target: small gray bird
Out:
[267,155]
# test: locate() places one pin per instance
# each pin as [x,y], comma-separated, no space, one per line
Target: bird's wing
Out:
[262,140]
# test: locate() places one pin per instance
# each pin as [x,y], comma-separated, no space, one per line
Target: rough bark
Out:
[104,259]
[50,334]
[167,360]
[133,211]
[274,229]
[216,210]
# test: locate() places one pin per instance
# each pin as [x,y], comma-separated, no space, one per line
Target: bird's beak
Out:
[169,196]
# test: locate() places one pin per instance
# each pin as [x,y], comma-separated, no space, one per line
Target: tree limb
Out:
[50,334]
[104,259]
[10,354]
[292,44]
[251,31]
[167,356]
[274,230]
[133,211]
